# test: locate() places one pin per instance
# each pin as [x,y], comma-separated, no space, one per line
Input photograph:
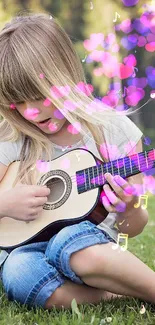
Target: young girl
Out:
[40,74]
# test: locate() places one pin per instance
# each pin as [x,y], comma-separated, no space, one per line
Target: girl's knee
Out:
[86,261]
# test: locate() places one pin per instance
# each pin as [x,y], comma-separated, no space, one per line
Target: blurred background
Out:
[115,40]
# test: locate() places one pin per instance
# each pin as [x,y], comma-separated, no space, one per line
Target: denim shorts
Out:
[33,272]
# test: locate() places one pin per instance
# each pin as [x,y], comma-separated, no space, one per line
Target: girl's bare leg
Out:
[64,295]
[115,271]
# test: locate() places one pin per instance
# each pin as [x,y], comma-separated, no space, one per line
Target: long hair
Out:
[31,45]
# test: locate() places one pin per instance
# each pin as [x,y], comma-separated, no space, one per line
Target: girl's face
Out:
[47,118]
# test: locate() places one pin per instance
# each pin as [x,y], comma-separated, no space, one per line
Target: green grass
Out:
[121,311]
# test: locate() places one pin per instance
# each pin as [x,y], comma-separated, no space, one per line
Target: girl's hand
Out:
[121,198]
[23,202]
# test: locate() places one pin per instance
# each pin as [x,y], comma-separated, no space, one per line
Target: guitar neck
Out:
[93,177]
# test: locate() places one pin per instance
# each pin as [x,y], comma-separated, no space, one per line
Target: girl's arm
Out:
[133,220]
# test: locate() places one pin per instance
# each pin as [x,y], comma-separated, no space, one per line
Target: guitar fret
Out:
[130,164]
[102,173]
[98,176]
[89,178]
[118,167]
[106,166]
[85,181]
[112,168]
[138,161]
[93,183]
[146,159]
[124,167]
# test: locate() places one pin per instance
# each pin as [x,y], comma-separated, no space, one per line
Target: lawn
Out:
[118,312]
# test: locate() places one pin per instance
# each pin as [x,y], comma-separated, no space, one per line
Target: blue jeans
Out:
[33,272]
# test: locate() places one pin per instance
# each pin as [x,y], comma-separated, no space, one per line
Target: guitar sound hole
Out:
[57,187]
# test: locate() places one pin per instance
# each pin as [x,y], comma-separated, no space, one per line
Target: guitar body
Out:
[65,206]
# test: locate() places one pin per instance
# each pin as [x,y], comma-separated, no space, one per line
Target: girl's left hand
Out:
[122,199]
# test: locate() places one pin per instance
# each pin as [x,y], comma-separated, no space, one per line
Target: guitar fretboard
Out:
[93,177]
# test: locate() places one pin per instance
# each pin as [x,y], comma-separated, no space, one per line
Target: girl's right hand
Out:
[23,202]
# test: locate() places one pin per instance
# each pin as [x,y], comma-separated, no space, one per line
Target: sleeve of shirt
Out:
[121,136]
[8,152]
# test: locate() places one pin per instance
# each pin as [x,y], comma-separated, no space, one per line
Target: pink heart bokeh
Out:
[124,71]
[31,113]
[75,128]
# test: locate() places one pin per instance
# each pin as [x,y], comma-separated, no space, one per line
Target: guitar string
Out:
[117,160]
[74,177]
[134,168]
[127,165]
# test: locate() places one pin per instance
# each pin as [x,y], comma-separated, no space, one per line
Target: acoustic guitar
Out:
[75,179]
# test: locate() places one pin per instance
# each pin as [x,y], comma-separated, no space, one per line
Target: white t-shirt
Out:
[118,146]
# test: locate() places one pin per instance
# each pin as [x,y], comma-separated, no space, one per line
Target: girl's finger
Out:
[120,186]
[106,204]
[124,184]
[110,194]
[119,205]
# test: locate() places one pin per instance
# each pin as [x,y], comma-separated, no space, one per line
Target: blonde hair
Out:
[31,45]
